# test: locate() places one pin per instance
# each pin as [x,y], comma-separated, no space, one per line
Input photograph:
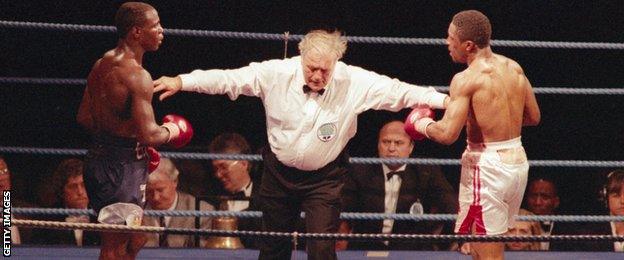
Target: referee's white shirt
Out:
[308,131]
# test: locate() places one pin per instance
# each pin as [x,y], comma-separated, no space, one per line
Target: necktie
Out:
[162,237]
[307,89]
[390,174]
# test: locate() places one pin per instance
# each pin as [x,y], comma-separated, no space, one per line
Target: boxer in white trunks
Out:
[493,99]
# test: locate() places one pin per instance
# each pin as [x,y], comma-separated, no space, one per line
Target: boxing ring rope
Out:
[543,90]
[361,160]
[297,37]
[343,215]
[296,235]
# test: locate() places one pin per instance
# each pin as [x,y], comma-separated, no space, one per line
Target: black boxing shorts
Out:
[115,171]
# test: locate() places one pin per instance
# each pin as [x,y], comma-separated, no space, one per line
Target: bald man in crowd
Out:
[398,188]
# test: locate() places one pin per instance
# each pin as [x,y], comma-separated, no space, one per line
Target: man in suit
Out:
[233,175]
[397,188]
[162,194]
[237,182]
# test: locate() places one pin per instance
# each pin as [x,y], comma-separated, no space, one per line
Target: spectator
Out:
[612,196]
[162,194]
[69,191]
[542,199]
[68,183]
[234,176]
[524,228]
[397,188]
[236,179]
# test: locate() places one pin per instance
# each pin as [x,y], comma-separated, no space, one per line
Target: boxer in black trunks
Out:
[116,108]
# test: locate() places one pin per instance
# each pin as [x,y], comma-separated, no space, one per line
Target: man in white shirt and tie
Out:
[312,102]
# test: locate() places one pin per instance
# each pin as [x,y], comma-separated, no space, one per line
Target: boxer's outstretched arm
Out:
[140,84]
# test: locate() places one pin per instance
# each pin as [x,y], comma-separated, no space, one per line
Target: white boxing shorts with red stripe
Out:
[493,179]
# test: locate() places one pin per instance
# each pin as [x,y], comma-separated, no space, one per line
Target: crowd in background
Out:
[380,188]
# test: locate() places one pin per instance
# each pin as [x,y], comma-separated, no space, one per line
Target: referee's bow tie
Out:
[392,173]
[307,89]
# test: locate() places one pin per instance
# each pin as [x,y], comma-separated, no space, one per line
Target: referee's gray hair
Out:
[167,168]
[324,42]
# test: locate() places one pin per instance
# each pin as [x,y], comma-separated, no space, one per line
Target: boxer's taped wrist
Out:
[174,130]
[421,125]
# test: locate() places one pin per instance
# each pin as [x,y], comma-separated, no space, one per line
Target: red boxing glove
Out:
[417,121]
[180,130]
[154,159]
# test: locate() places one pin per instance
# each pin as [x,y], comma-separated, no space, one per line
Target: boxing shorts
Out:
[116,172]
[493,179]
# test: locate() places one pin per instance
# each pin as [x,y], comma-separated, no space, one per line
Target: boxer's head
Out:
[162,185]
[320,50]
[233,175]
[69,184]
[393,142]
[468,31]
[140,22]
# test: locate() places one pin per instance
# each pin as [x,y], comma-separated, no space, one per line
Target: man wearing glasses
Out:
[236,181]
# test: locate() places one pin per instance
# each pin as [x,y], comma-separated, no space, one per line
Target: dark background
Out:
[574,127]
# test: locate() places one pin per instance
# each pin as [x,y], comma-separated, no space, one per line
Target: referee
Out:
[312,102]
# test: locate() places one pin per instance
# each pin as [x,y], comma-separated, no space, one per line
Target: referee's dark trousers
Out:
[286,191]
